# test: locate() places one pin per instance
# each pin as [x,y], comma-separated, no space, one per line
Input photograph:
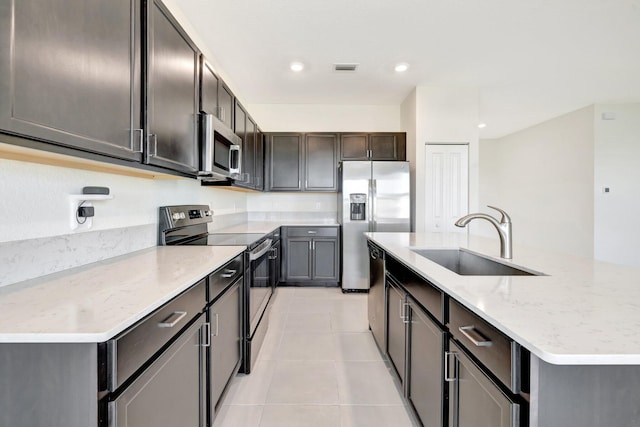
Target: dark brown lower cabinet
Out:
[311,255]
[426,389]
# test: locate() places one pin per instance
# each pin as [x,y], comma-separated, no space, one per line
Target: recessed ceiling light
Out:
[297,66]
[482,125]
[401,68]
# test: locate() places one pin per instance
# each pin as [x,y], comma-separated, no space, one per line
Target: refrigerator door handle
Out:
[372,203]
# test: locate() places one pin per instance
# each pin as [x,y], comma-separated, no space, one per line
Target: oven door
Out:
[260,289]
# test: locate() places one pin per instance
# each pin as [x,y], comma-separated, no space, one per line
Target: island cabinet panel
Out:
[71,74]
[172,93]
[396,336]
[425,366]
[416,342]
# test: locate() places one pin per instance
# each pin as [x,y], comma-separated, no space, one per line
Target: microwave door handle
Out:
[234,168]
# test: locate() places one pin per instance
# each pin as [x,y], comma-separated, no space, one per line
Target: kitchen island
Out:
[578,319]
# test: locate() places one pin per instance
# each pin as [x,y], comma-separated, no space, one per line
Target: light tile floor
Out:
[318,367]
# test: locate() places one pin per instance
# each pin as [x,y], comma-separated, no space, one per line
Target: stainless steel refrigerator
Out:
[374,196]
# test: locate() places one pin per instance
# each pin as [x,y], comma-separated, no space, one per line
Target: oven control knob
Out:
[176,216]
[208,213]
[182,215]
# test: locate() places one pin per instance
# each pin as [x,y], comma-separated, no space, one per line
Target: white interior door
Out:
[446,186]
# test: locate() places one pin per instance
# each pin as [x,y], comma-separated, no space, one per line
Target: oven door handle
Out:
[262,249]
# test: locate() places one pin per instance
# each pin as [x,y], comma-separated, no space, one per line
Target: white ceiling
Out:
[530,60]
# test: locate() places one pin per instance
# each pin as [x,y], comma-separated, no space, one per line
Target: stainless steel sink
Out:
[466,263]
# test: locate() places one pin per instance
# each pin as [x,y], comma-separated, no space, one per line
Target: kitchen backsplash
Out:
[329,217]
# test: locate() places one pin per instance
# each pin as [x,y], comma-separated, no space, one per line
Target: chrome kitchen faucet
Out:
[503,226]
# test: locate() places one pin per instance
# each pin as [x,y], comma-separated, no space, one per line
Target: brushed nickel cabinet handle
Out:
[475,336]
[228,273]
[447,378]
[206,333]
[173,319]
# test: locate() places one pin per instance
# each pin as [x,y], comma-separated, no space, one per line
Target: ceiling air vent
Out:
[345,67]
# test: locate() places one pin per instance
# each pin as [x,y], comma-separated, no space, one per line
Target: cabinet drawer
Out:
[311,231]
[427,295]
[220,279]
[498,353]
[137,345]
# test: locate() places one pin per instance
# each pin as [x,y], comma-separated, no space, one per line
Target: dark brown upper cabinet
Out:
[260,143]
[321,162]
[285,161]
[373,146]
[71,74]
[216,97]
[172,93]
[240,128]
[302,162]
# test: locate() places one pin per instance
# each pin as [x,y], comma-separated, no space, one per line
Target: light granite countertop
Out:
[96,302]
[269,226]
[583,312]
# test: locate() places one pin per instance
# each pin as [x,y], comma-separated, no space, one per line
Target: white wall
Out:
[408,121]
[337,118]
[617,166]
[444,116]
[34,199]
[543,177]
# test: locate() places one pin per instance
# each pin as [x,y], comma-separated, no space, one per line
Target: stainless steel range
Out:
[187,225]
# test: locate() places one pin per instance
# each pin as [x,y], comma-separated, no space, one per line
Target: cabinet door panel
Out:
[285,166]
[396,339]
[354,147]
[426,382]
[249,153]
[383,147]
[298,259]
[225,341]
[209,90]
[172,94]
[71,73]
[321,162]
[475,401]
[240,128]
[225,102]
[325,259]
[259,175]
[169,392]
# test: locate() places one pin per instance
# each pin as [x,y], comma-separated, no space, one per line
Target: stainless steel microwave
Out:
[220,155]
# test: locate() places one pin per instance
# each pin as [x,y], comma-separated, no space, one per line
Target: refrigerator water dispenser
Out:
[358,206]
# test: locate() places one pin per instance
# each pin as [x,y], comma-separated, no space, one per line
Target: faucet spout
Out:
[503,226]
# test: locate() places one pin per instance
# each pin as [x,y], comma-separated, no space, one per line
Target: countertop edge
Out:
[566,359]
